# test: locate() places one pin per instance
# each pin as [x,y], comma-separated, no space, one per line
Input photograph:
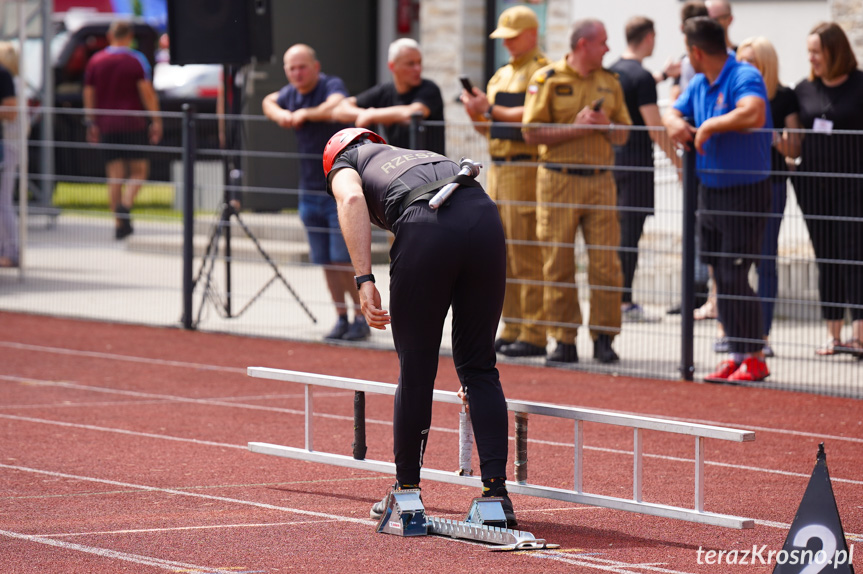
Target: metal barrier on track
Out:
[523,409]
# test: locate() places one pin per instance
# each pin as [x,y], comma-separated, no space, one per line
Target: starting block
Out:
[404,514]
[485,522]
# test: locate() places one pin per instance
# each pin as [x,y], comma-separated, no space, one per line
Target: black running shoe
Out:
[506,503]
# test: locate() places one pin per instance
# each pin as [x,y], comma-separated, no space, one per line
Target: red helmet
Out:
[341,140]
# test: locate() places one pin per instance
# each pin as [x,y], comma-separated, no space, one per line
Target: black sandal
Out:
[850,347]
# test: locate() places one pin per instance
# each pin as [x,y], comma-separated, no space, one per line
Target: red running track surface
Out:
[124,450]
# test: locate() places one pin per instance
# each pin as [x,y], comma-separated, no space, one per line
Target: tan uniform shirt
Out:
[555,96]
[513,78]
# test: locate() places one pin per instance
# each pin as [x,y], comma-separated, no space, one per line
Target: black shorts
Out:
[122,141]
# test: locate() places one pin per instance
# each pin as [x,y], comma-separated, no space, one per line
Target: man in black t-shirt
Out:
[634,160]
[452,256]
[392,104]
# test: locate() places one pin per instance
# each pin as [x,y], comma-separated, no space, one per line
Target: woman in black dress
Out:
[831,103]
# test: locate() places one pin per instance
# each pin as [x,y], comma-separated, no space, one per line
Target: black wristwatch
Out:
[363,278]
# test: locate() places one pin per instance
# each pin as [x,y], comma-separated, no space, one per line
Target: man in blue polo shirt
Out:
[306,106]
[726,100]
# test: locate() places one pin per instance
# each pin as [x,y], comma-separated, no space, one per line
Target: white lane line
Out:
[180,528]
[170,565]
[123,431]
[184,364]
[116,357]
[146,488]
[604,565]
[216,402]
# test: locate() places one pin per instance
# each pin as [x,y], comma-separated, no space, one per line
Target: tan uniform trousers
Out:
[566,202]
[513,188]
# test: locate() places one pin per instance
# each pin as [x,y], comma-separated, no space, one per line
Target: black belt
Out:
[575,170]
[520,157]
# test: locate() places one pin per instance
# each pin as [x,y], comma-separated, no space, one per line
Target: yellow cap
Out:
[513,21]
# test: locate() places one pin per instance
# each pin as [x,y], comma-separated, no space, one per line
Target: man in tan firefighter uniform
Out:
[575,187]
[512,179]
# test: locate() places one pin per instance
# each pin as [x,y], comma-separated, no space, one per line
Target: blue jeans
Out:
[320,217]
[768,282]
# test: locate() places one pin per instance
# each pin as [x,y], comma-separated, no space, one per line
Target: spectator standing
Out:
[575,187]
[690,9]
[726,99]
[120,78]
[306,106]
[832,99]
[693,9]
[511,179]
[8,156]
[635,187]
[454,256]
[392,104]
[784,110]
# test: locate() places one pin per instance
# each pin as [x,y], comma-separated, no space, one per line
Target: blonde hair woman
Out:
[9,155]
[760,53]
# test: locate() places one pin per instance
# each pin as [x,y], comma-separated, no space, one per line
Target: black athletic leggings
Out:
[453,256]
[833,208]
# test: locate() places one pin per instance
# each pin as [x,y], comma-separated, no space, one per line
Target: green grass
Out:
[153,199]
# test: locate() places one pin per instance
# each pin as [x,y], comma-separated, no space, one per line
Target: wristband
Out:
[488,113]
[363,278]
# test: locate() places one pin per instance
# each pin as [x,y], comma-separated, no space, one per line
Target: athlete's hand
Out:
[370,305]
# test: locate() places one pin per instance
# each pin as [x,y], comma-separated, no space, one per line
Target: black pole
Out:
[232,94]
[189,152]
[687,321]
[416,123]
[359,445]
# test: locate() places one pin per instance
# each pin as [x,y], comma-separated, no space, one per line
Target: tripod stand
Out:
[222,227]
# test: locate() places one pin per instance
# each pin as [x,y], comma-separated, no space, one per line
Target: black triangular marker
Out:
[816,540]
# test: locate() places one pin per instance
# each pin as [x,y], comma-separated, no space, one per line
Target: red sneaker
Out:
[752,369]
[722,372]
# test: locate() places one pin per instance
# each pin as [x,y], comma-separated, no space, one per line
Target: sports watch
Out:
[363,278]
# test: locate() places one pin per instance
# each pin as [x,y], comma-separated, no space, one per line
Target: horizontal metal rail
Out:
[580,415]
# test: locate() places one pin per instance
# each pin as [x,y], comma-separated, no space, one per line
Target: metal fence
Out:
[250,273]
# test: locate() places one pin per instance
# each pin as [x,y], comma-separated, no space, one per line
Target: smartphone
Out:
[465,83]
[597,105]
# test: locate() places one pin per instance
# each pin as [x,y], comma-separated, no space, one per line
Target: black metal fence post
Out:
[416,127]
[687,273]
[189,152]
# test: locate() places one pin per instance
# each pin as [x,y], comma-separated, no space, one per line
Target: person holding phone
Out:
[512,179]
[575,187]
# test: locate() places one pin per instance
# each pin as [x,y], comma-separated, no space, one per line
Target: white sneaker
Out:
[634,313]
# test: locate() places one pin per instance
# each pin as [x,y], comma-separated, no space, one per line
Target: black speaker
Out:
[220,31]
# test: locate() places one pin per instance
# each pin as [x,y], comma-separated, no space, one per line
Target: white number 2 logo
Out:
[828,546]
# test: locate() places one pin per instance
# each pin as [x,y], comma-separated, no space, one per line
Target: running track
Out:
[124,450]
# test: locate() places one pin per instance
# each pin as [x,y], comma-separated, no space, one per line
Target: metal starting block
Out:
[485,522]
[404,514]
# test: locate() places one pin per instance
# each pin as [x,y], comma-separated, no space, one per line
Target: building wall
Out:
[849,15]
